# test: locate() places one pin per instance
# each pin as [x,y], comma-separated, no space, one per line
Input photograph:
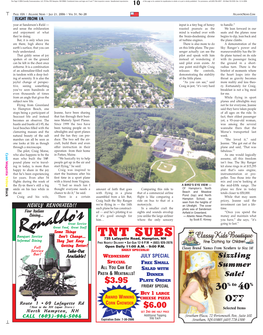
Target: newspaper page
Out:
[131,184]
[52,258]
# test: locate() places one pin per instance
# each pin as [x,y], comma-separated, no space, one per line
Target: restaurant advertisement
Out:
[135,274]
[51,262]
[218,275]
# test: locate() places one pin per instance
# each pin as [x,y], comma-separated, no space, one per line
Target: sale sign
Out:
[135,273]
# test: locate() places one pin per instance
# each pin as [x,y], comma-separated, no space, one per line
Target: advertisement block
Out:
[218,275]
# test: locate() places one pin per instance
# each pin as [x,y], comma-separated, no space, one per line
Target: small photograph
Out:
[157,145]
[199,279]
[114,65]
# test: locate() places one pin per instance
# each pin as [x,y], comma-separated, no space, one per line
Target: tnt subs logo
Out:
[138,231]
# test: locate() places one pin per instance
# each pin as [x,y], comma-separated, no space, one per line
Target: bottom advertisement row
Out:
[215,274]
[142,273]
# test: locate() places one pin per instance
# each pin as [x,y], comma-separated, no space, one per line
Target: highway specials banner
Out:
[218,275]
[135,273]
[51,262]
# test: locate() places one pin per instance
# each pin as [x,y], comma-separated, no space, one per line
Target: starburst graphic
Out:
[117,299]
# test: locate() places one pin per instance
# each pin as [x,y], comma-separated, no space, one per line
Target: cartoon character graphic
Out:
[190,240]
